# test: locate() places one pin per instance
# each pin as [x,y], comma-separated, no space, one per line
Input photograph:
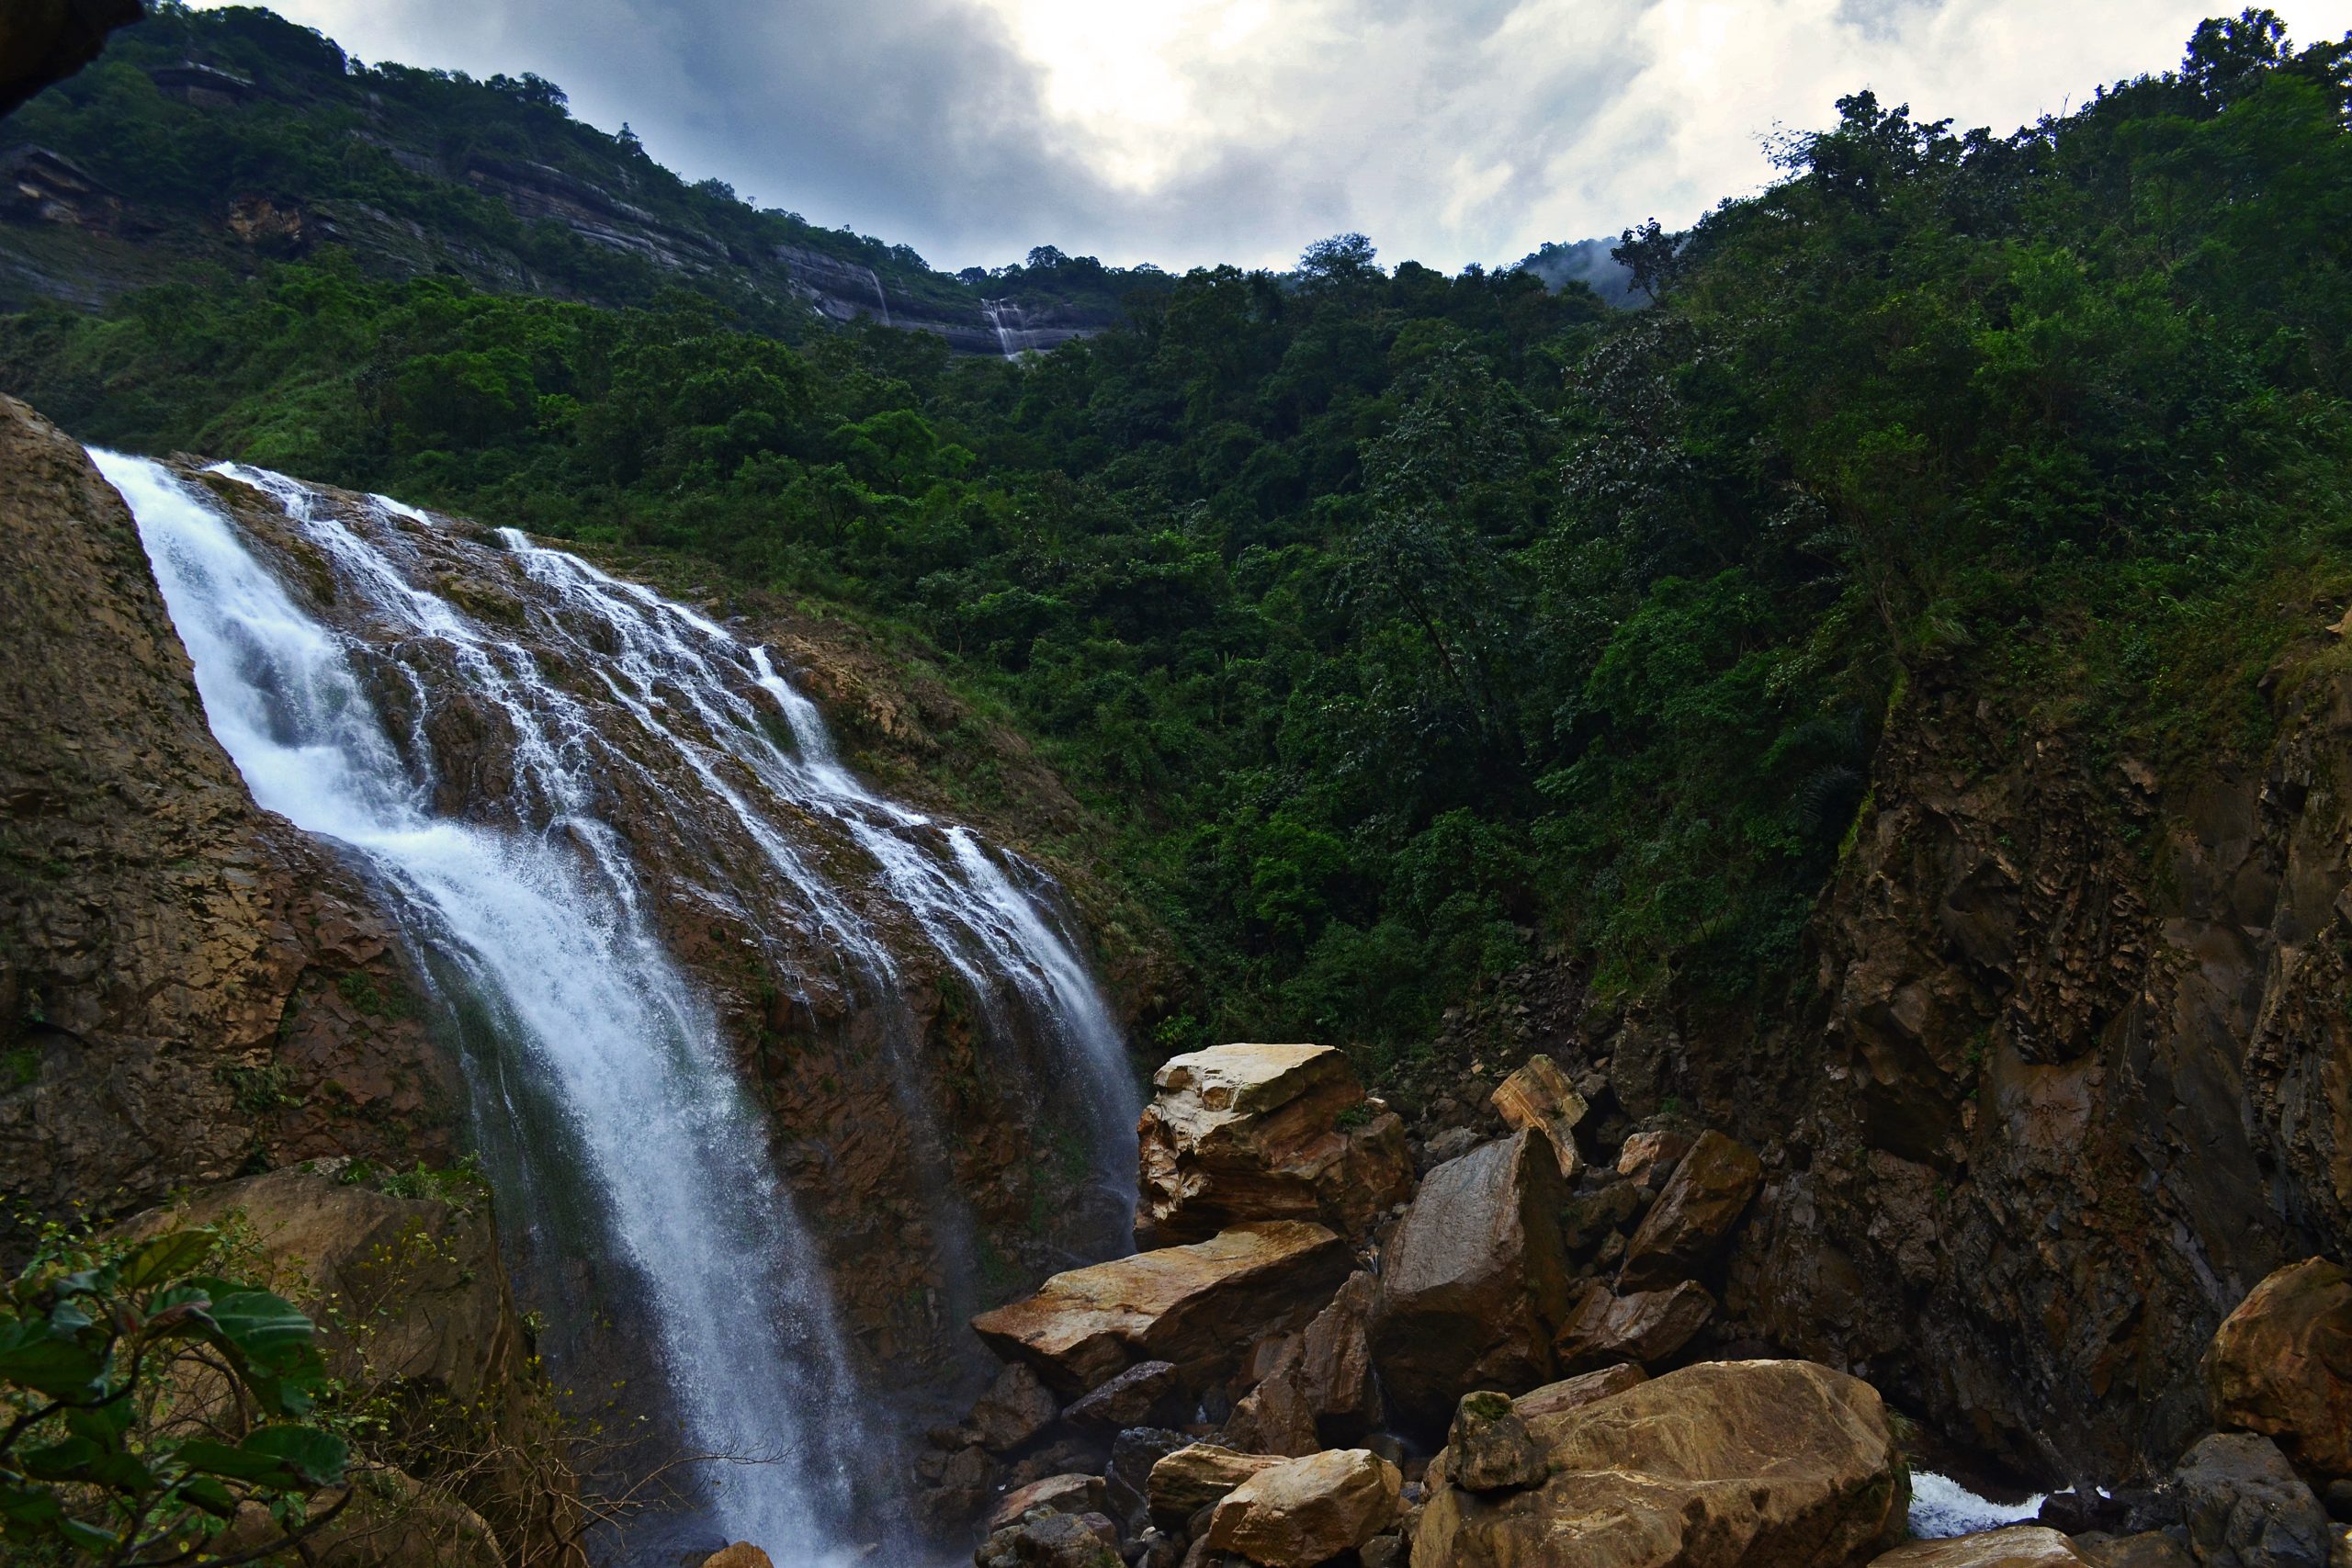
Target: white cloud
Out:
[1188,132]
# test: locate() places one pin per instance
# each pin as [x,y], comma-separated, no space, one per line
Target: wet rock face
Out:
[2083,1077]
[189,987]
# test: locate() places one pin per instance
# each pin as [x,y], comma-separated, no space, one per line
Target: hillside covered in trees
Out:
[1408,627]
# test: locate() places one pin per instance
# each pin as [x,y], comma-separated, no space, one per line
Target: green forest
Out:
[1401,625]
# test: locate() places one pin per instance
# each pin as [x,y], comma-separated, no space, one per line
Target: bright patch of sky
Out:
[1196,132]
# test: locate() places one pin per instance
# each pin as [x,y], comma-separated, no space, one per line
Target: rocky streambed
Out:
[1514,1357]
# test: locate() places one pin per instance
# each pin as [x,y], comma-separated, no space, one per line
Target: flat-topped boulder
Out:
[1196,1306]
[1264,1133]
[1728,1464]
[1476,1283]
[1196,1475]
[2019,1546]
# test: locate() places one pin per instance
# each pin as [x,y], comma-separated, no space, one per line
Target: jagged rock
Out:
[1646,1326]
[742,1554]
[957,1486]
[1194,1306]
[1475,1282]
[1128,1481]
[1058,1541]
[1717,1465]
[1335,1370]
[1572,1394]
[1274,1417]
[1144,1393]
[1448,1146]
[1015,1409]
[1055,1494]
[1054,1458]
[1490,1449]
[1307,1511]
[1385,1552]
[43,41]
[1256,1133]
[2019,1546]
[1685,1228]
[2245,1508]
[1539,1095]
[1649,1158]
[1196,1476]
[1594,1216]
[2149,1549]
[2281,1365]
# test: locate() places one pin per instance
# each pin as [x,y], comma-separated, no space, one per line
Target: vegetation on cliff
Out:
[1403,623]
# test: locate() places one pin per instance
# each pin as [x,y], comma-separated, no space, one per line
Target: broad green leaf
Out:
[318,1457]
[167,1256]
[265,1327]
[68,1461]
[30,1506]
[89,1537]
[210,1495]
[58,1368]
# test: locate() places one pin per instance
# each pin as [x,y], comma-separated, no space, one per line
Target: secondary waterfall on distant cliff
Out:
[528,903]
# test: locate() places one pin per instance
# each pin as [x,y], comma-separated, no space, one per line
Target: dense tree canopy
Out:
[1404,623]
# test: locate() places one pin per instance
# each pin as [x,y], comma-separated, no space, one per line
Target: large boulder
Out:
[2245,1508]
[1476,1281]
[1070,1493]
[1689,1224]
[1728,1463]
[1196,1476]
[1646,1326]
[2281,1365]
[2019,1546]
[1145,1393]
[1309,1510]
[1264,1133]
[1196,1306]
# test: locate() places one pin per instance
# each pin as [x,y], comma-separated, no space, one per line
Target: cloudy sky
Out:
[1192,131]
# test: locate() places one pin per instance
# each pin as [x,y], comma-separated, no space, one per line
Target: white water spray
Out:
[543,913]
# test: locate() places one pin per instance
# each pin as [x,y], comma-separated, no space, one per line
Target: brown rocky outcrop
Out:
[2021,1546]
[2245,1508]
[188,985]
[42,42]
[1725,1464]
[1692,1218]
[1475,1282]
[1308,1511]
[2082,1075]
[1197,1307]
[1574,1393]
[1263,1133]
[1646,1326]
[2281,1365]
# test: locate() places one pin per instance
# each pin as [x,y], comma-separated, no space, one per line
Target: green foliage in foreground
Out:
[1402,623]
[143,1401]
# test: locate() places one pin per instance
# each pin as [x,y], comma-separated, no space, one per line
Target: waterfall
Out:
[1014,339]
[336,663]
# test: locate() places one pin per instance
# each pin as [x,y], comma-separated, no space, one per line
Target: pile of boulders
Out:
[1317,1360]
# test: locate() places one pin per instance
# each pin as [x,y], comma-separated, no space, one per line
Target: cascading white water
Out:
[533,899]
